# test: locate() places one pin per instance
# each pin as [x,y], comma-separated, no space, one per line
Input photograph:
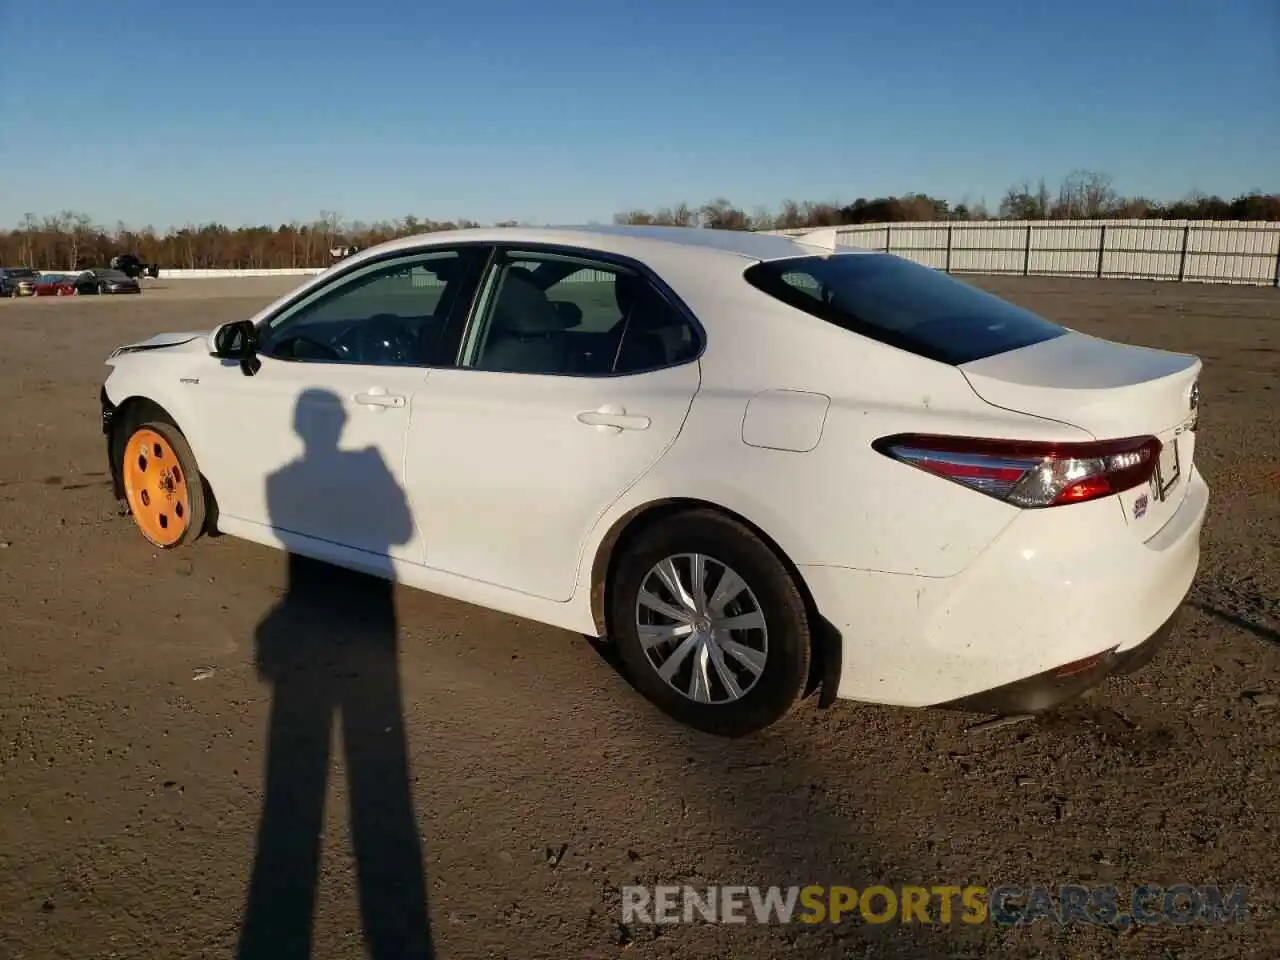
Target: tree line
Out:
[1082,195]
[72,241]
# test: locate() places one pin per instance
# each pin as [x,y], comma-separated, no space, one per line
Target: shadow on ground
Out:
[329,650]
[787,827]
[1250,625]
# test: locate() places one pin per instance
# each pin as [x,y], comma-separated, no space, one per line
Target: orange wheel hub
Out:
[155,485]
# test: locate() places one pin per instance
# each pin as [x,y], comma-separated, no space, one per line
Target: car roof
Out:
[629,240]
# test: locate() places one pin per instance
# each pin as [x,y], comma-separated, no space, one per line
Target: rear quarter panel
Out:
[839,503]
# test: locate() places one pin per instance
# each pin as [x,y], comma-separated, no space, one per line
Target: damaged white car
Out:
[760,465]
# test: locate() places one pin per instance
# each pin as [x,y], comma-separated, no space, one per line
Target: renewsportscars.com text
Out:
[1005,905]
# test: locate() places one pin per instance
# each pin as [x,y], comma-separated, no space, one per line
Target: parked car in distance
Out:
[54,285]
[132,267]
[96,281]
[759,465]
[17,281]
[104,280]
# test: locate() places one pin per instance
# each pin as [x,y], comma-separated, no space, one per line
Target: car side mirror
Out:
[238,341]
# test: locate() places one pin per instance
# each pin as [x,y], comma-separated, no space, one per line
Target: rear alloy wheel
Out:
[710,624]
[162,485]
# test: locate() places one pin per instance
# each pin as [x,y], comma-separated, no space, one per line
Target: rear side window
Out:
[903,304]
[554,314]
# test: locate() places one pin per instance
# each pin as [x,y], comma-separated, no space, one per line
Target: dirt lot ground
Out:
[133,722]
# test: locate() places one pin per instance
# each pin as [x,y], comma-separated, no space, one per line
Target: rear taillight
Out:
[1030,473]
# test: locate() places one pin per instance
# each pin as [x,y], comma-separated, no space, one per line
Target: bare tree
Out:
[188,245]
[789,217]
[720,214]
[1020,203]
[27,244]
[633,217]
[329,223]
[762,218]
[1042,201]
[1085,194]
[818,213]
[678,216]
[78,227]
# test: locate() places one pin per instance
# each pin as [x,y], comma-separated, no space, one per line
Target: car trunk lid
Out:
[1111,390]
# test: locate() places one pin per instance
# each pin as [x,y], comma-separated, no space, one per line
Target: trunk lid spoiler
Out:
[1109,389]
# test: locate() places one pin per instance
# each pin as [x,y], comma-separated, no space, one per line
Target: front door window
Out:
[404,312]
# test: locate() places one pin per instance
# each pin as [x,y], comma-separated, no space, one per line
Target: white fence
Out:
[1207,251]
[181,274]
[1190,250]
[420,277]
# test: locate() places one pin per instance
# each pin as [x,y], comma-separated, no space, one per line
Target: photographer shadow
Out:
[329,650]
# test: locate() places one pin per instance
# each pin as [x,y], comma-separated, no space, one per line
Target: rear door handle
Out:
[378,397]
[613,419]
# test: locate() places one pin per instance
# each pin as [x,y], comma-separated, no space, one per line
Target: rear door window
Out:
[903,304]
[557,314]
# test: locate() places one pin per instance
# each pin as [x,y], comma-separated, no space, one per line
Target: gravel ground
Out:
[133,722]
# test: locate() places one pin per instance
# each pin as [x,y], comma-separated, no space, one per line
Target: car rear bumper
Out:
[1052,687]
[1045,612]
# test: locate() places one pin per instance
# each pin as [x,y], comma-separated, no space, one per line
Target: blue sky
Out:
[262,111]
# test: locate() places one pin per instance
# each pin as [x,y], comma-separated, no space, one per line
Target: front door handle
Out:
[377,398]
[613,419]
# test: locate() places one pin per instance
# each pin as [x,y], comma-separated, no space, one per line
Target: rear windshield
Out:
[903,304]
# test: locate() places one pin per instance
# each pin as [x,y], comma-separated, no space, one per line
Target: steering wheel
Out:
[382,338]
[310,349]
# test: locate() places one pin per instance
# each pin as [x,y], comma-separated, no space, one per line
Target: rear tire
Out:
[728,653]
[162,484]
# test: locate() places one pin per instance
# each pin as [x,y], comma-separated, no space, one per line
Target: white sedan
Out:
[762,466]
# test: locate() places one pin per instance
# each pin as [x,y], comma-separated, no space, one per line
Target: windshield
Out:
[904,304]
